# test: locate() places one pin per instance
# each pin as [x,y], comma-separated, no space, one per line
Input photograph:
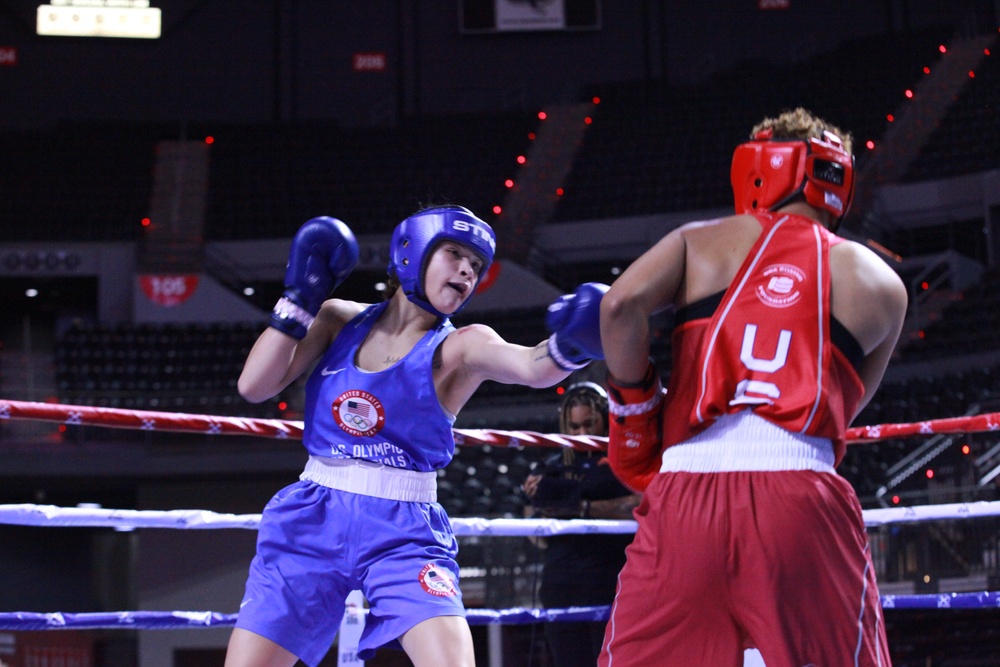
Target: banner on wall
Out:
[493,16]
[168,290]
[515,15]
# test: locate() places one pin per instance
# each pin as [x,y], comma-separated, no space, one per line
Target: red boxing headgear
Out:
[768,173]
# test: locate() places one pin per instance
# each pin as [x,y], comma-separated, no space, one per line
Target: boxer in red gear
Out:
[747,536]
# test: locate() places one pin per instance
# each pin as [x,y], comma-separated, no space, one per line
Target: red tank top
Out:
[768,346]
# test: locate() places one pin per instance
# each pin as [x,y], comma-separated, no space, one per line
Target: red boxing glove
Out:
[635,431]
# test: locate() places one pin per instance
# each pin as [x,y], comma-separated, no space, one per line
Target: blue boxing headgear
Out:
[415,238]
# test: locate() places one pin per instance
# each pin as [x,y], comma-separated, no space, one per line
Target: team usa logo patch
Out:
[778,285]
[437,581]
[358,413]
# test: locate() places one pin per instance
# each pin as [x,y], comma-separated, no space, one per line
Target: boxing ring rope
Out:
[179,422]
[51,516]
[177,620]
[121,519]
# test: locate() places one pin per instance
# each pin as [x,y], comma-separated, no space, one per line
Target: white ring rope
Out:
[52,516]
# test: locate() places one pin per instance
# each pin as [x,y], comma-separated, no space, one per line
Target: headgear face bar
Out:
[415,238]
[768,173]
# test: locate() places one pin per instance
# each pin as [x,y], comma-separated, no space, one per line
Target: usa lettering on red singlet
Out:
[767,391]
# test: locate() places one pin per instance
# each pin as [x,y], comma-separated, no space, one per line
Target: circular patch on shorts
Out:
[437,581]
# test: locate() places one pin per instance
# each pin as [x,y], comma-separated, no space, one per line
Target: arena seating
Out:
[967,326]
[653,148]
[650,149]
[93,181]
[266,180]
[170,367]
[77,181]
[968,139]
[924,397]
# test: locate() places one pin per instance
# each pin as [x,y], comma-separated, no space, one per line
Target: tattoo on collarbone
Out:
[390,360]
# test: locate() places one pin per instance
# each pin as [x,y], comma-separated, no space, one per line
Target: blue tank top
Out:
[392,417]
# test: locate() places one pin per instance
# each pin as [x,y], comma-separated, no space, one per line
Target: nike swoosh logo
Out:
[245,603]
[327,371]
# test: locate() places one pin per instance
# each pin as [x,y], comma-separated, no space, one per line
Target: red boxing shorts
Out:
[722,561]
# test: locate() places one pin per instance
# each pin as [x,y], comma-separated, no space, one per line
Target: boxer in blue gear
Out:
[386,385]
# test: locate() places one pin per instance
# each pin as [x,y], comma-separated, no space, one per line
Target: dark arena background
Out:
[150,186]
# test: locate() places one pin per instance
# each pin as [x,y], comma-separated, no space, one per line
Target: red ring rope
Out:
[148,420]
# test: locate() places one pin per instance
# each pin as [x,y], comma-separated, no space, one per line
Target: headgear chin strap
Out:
[768,173]
[415,238]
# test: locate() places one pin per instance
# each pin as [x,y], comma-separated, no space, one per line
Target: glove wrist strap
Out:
[288,317]
[628,399]
[560,359]
[647,381]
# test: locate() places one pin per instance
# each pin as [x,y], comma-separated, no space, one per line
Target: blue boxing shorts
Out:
[316,544]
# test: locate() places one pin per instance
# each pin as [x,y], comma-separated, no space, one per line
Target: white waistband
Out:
[746,442]
[371,479]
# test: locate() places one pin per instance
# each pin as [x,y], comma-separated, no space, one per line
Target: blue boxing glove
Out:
[574,324]
[324,252]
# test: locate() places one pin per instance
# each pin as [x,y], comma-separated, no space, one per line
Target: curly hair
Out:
[587,394]
[799,123]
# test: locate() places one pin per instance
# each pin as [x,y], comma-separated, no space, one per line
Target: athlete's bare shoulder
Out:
[471,338]
[713,252]
[721,234]
[867,295]
[341,309]
[334,314]
[850,258]
[458,362]
[718,225]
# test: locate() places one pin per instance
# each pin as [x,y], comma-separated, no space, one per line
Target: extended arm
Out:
[487,356]
[476,353]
